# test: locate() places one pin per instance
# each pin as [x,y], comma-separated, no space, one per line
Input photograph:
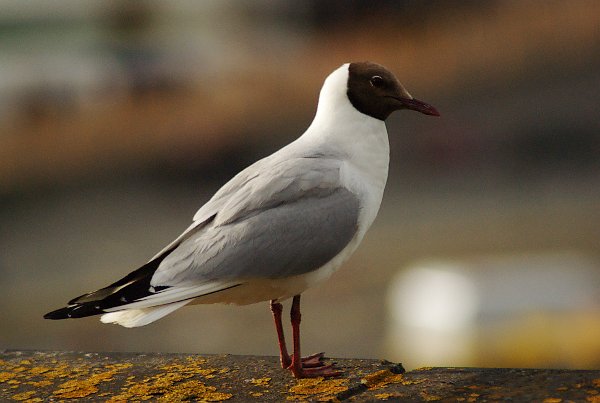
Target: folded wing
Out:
[273,220]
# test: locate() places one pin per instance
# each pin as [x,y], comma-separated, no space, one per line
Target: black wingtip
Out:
[75,311]
[76,299]
[133,286]
[62,313]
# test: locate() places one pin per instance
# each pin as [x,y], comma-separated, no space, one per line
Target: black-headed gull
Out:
[280,226]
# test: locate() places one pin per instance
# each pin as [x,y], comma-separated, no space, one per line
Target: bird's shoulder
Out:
[279,178]
[272,181]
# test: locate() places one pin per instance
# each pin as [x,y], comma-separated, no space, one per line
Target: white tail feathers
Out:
[141,317]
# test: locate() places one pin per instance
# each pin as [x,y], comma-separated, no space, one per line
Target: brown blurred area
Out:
[119,119]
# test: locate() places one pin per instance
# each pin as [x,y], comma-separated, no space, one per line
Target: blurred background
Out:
[119,119]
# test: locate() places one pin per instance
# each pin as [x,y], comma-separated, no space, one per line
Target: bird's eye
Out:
[377,81]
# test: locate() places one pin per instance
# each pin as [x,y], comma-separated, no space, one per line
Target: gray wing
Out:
[265,183]
[284,221]
[269,182]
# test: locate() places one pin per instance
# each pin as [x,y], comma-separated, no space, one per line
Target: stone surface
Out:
[54,376]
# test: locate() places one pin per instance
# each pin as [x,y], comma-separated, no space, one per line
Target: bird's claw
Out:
[325,371]
[313,366]
[311,361]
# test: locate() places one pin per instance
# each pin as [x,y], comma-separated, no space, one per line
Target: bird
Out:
[281,225]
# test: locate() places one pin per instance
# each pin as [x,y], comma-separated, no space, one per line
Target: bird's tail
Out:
[141,317]
[125,317]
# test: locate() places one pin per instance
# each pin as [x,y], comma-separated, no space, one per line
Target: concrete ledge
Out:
[53,376]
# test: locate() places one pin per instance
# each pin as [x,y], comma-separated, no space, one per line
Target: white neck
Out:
[361,139]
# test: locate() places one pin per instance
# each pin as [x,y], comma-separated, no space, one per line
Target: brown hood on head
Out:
[375,91]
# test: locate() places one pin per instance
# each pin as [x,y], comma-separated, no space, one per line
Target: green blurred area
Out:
[119,119]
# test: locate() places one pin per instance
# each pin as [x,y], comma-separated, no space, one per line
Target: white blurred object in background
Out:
[433,306]
[514,310]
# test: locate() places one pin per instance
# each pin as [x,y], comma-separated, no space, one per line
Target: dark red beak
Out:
[419,106]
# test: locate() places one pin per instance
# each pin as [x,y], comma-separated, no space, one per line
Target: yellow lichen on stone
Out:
[196,360]
[5,376]
[119,366]
[78,388]
[60,371]
[195,390]
[75,389]
[194,366]
[318,388]
[552,400]
[24,396]
[429,398]
[137,391]
[170,385]
[387,396]
[39,370]
[381,379]
[405,381]
[260,381]
[169,389]
[40,384]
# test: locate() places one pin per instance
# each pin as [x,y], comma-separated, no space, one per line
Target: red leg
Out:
[297,367]
[313,360]
[284,357]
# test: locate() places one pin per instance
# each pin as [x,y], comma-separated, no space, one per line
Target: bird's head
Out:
[375,91]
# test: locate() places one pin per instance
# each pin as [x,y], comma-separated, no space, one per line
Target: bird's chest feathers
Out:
[365,174]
